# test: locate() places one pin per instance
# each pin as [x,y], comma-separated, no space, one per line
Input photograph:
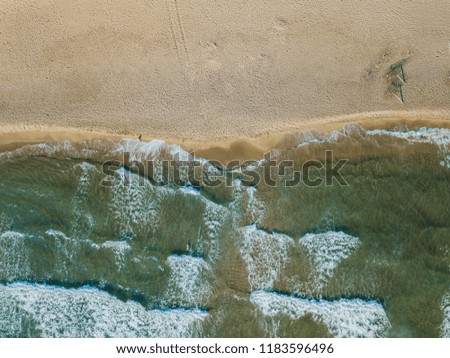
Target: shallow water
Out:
[371,259]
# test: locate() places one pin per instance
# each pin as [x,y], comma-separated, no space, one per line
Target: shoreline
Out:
[241,147]
[232,78]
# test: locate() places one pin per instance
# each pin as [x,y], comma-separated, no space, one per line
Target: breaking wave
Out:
[343,318]
[48,311]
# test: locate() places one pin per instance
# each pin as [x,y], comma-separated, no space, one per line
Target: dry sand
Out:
[209,73]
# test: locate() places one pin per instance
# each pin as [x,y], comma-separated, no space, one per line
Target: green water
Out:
[368,259]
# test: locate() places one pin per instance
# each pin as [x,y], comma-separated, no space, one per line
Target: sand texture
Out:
[218,69]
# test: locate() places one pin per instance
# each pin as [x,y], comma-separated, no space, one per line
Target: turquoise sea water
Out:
[368,259]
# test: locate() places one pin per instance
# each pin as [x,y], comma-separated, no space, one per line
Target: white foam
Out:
[265,255]
[308,137]
[14,256]
[135,205]
[354,129]
[68,248]
[343,318]
[445,328]
[190,191]
[5,223]
[120,250]
[117,246]
[88,312]
[138,205]
[187,283]
[83,219]
[326,251]
[438,136]
[255,206]
[246,203]
[64,148]
[142,151]
[152,151]
[214,217]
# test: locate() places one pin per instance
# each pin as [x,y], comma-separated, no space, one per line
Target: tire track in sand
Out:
[178,33]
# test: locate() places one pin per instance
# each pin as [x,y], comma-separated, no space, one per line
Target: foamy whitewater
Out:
[265,255]
[344,318]
[59,312]
[325,252]
[188,283]
[438,136]
[81,259]
[14,255]
[445,328]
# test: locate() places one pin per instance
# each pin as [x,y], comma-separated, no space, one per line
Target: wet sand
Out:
[230,148]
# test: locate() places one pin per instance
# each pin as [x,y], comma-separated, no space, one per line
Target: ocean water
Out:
[141,259]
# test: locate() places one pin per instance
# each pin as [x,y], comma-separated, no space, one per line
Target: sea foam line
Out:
[87,312]
[326,251]
[343,318]
[265,255]
[14,255]
[188,283]
[438,136]
[445,328]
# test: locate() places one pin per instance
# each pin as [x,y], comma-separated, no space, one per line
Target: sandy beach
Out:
[206,74]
